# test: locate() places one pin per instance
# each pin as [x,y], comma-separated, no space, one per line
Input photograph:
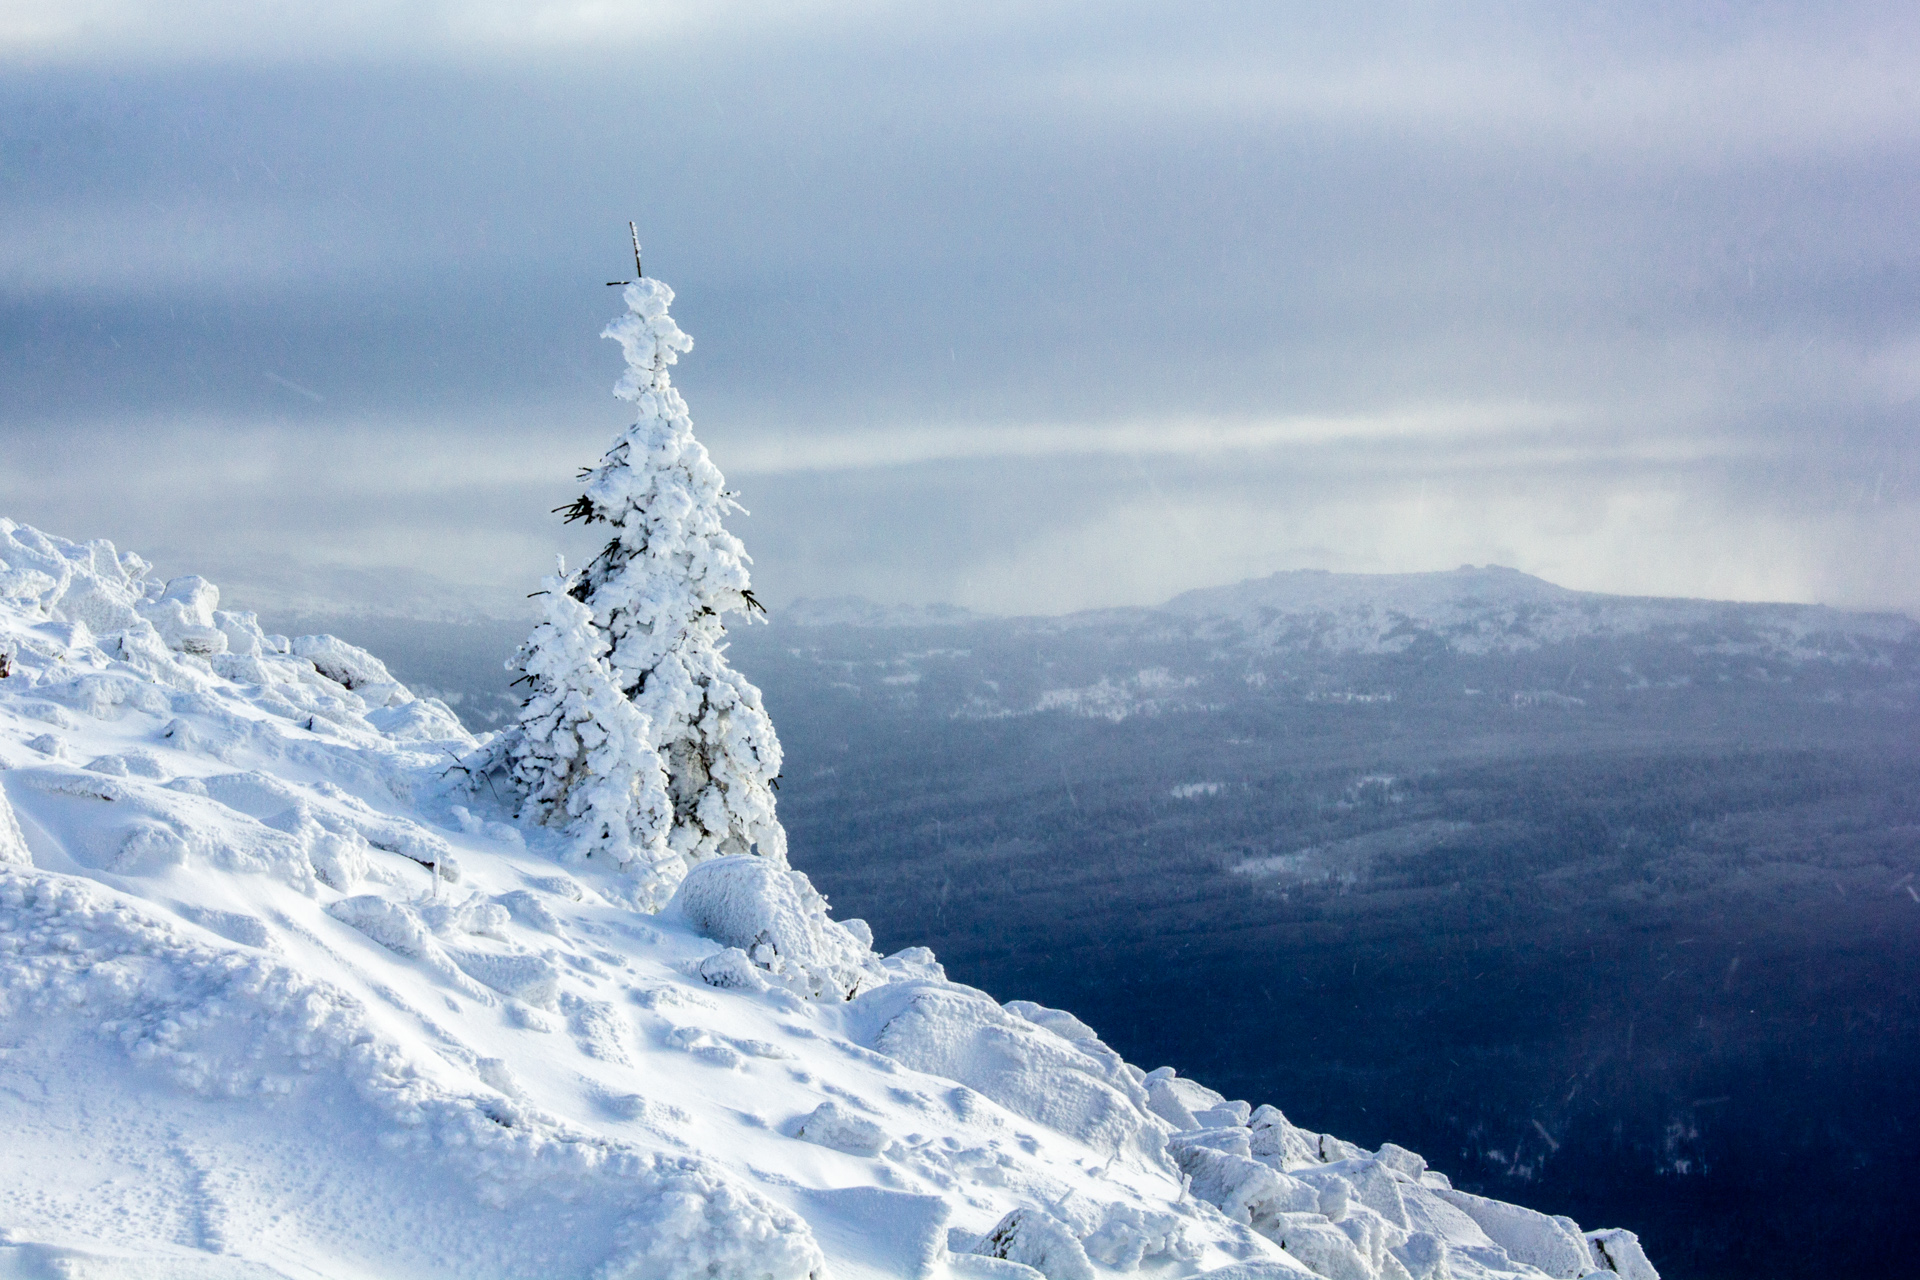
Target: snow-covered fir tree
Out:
[656,596]
[584,755]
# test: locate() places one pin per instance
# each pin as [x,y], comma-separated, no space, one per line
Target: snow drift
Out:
[283,993]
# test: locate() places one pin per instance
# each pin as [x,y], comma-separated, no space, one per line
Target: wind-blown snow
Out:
[282,994]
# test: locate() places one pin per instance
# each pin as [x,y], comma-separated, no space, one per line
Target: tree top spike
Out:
[639,272]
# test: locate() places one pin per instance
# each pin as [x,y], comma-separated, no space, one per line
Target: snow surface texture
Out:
[282,995]
[687,773]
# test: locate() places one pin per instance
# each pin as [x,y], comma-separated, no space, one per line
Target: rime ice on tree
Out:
[584,755]
[657,594]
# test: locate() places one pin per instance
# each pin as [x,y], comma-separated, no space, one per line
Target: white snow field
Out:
[281,997]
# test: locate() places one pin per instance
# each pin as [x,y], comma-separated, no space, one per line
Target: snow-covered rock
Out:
[832,1125]
[183,615]
[961,1034]
[1619,1252]
[1553,1244]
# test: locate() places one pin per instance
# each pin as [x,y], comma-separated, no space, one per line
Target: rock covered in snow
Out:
[1619,1252]
[183,615]
[832,1125]
[351,667]
[90,630]
[1076,1087]
[1553,1244]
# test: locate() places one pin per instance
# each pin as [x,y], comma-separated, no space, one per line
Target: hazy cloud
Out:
[1627,292]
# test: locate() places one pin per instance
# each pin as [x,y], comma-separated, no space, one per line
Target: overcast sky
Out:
[1025,307]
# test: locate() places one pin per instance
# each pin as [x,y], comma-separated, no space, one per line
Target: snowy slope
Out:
[280,997]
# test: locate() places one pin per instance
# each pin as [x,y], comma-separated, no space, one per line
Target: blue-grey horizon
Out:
[1023,308]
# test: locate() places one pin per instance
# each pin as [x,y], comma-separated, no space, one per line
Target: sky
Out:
[1024,307]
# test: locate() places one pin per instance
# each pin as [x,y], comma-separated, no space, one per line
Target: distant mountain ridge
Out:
[858,611]
[1470,610]
[1496,609]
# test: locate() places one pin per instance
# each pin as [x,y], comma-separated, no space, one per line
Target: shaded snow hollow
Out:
[280,996]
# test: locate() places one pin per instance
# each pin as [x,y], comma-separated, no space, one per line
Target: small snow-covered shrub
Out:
[699,1225]
[1619,1252]
[526,908]
[340,861]
[730,970]
[779,921]
[1040,1241]
[393,925]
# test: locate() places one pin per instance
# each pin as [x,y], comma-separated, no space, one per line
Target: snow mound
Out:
[779,920]
[1076,1087]
[13,841]
[286,992]
[831,1125]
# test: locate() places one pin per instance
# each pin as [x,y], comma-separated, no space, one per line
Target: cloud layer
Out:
[1032,308]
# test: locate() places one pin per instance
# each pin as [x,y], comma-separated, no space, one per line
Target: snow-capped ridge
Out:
[858,611]
[1306,591]
[86,625]
[1471,610]
[1493,609]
